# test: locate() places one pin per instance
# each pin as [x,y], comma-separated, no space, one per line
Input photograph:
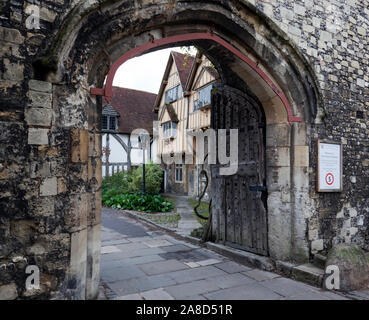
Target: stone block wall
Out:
[50,154]
[50,171]
[334,36]
[173,186]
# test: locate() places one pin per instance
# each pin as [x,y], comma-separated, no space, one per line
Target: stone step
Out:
[308,273]
[242,257]
[319,261]
[359,295]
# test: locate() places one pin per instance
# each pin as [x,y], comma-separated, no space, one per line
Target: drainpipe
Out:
[129,151]
[197,178]
[188,110]
[187,122]
[107,153]
[151,143]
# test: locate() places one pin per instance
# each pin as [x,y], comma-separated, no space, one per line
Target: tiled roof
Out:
[214,73]
[108,110]
[134,108]
[196,65]
[184,64]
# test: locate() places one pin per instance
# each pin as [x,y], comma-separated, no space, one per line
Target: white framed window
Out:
[169,130]
[204,97]
[173,94]
[109,123]
[174,129]
[195,105]
[179,173]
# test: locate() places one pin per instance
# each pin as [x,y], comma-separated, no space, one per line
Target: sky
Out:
[145,72]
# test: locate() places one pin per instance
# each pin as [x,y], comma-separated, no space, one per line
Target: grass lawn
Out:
[203,210]
[167,219]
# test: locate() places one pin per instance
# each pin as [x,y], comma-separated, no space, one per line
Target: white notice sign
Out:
[329,167]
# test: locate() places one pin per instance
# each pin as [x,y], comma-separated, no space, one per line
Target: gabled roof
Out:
[196,65]
[183,64]
[134,108]
[213,72]
[108,110]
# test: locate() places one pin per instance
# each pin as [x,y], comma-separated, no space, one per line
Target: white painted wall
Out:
[118,154]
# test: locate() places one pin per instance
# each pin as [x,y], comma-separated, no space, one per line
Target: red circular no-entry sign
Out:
[329,179]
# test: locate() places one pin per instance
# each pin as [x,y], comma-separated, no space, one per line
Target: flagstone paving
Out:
[142,263]
[188,221]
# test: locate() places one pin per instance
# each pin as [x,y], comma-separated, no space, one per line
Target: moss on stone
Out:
[353,254]
[353,264]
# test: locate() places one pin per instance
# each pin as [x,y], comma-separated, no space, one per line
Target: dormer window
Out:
[173,94]
[109,119]
[169,130]
[109,123]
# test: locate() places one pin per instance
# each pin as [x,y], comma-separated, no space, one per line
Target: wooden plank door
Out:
[239,200]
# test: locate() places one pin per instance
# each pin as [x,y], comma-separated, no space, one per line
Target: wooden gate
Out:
[239,200]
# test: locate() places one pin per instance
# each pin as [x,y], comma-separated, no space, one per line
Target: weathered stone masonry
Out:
[50,144]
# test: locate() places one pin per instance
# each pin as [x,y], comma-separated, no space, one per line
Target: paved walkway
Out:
[142,263]
[188,220]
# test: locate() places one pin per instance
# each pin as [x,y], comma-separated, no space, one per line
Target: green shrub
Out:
[154,176]
[117,184]
[123,190]
[138,202]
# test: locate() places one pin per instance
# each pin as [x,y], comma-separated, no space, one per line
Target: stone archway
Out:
[95,35]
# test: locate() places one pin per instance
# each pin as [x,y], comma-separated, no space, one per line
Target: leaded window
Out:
[109,123]
[169,130]
[173,94]
[179,172]
[204,97]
